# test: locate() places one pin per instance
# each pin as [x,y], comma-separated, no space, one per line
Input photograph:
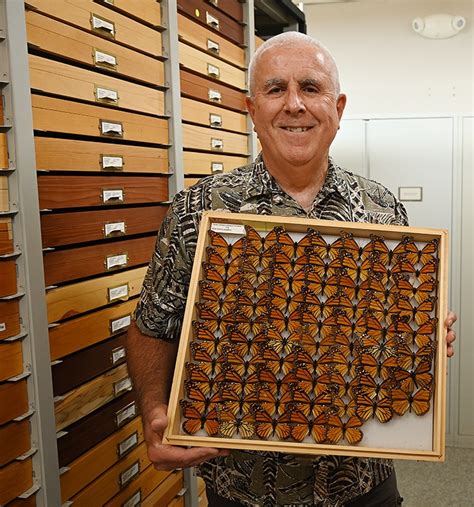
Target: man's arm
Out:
[150,365]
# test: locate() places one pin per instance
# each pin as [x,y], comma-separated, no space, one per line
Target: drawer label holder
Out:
[119,292]
[106,60]
[213,46]
[134,500]
[116,261]
[212,21]
[214,95]
[217,167]
[106,95]
[215,120]
[118,355]
[129,474]
[213,71]
[113,196]
[125,414]
[110,129]
[103,26]
[122,386]
[112,229]
[117,325]
[217,144]
[112,162]
[126,445]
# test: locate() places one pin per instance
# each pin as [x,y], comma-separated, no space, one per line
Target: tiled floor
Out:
[448,484]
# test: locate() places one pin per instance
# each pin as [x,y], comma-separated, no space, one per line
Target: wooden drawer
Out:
[9,319]
[232,8]
[202,138]
[74,44]
[13,400]
[56,115]
[92,328]
[8,278]
[11,360]
[4,198]
[81,262]
[71,155]
[91,464]
[92,395]
[90,16]
[189,182]
[166,491]
[209,16]
[14,440]
[84,365]
[15,479]
[94,428]
[206,163]
[6,236]
[212,116]
[74,82]
[140,488]
[178,501]
[211,67]
[3,151]
[148,11]
[258,42]
[23,502]
[209,41]
[74,299]
[114,480]
[56,192]
[69,228]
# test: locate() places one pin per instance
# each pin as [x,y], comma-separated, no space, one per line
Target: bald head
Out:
[294,40]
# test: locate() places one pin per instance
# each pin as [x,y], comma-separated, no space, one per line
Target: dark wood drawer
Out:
[55,154]
[213,18]
[15,479]
[13,400]
[9,319]
[211,92]
[3,151]
[14,440]
[6,236]
[78,227]
[81,262]
[67,117]
[74,299]
[11,360]
[89,431]
[88,363]
[233,8]
[8,278]
[23,502]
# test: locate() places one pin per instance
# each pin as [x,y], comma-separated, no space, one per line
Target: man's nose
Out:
[294,101]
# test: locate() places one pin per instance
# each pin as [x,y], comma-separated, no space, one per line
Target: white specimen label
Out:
[212,21]
[215,120]
[118,292]
[107,127]
[116,260]
[217,167]
[122,385]
[214,95]
[129,474]
[127,444]
[114,227]
[213,71]
[213,46]
[102,24]
[101,57]
[228,228]
[217,144]
[118,324]
[118,354]
[106,94]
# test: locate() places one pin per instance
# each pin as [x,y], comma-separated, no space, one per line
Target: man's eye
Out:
[275,89]
[311,89]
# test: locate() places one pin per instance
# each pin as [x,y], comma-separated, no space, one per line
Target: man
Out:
[296,107]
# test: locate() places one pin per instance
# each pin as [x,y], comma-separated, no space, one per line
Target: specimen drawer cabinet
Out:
[210,163]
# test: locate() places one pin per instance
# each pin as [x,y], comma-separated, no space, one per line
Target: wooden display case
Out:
[407,437]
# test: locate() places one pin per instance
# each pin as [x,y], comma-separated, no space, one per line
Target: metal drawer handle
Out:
[212,21]
[215,120]
[103,26]
[212,46]
[217,144]
[213,71]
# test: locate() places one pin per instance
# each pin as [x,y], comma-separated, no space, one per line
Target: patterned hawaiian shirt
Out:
[263,478]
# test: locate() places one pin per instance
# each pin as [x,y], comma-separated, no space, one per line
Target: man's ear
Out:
[250,106]
[341,104]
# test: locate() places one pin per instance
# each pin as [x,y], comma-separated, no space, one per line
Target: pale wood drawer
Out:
[210,42]
[3,151]
[91,16]
[212,116]
[74,82]
[210,163]
[148,11]
[58,38]
[202,138]
[166,491]
[15,479]
[189,182]
[258,42]
[209,66]
[4,198]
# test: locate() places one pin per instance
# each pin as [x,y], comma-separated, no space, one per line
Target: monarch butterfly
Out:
[376,248]
[425,289]
[226,250]
[412,379]
[350,430]
[379,349]
[268,426]
[427,270]
[346,243]
[380,408]
[426,254]
[407,358]
[338,300]
[344,408]
[301,427]
[280,238]
[313,240]
[331,382]
[200,394]
[419,402]
[336,338]
[371,366]
[196,420]
[340,281]
[345,261]
[422,335]
[339,320]
[335,359]
[373,283]
[281,345]
[365,384]
[406,247]
[311,258]
[277,363]
[370,266]
[230,424]
[218,276]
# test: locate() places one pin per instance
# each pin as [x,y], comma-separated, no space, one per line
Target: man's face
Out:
[295,109]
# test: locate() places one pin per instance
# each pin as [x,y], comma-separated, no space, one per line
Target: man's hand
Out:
[450,334]
[169,457]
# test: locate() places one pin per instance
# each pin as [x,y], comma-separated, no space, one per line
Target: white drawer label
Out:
[118,354]
[103,25]
[212,21]
[126,413]
[217,144]
[217,167]
[3,326]
[215,120]
[122,386]
[129,474]
[101,58]
[134,500]
[118,292]
[213,71]
[111,162]
[116,260]
[214,95]
[119,324]
[109,128]
[106,94]
[115,195]
[228,228]
[127,444]
[115,227]
[213,46]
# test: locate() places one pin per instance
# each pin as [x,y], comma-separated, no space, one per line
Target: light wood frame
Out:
[174,434]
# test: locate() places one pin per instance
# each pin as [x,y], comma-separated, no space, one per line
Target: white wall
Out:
[386,67]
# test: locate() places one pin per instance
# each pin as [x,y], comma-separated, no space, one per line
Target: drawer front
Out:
[258,42]
[9,319]
[74,44]
[211,92]
[189,182]
[84,156]
[83,400]
[210,42]
[8,277]
[95,18]
[178,501]
[85,331]
[69,228]
[206,163]
[115,479]
[209,66]
[4,198]
[13,400]
[94,428]
[84,365]
[91,464]
[201,138]
[24,502]
[65,266]
[15,479]
[56,115]
[213,18]
[148,11]
[14,441]
[232,8]
[74,299]
[212,116]
[6,236]
[166,491]
[74,82]
[3,151]
[11,360]
[56,192]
